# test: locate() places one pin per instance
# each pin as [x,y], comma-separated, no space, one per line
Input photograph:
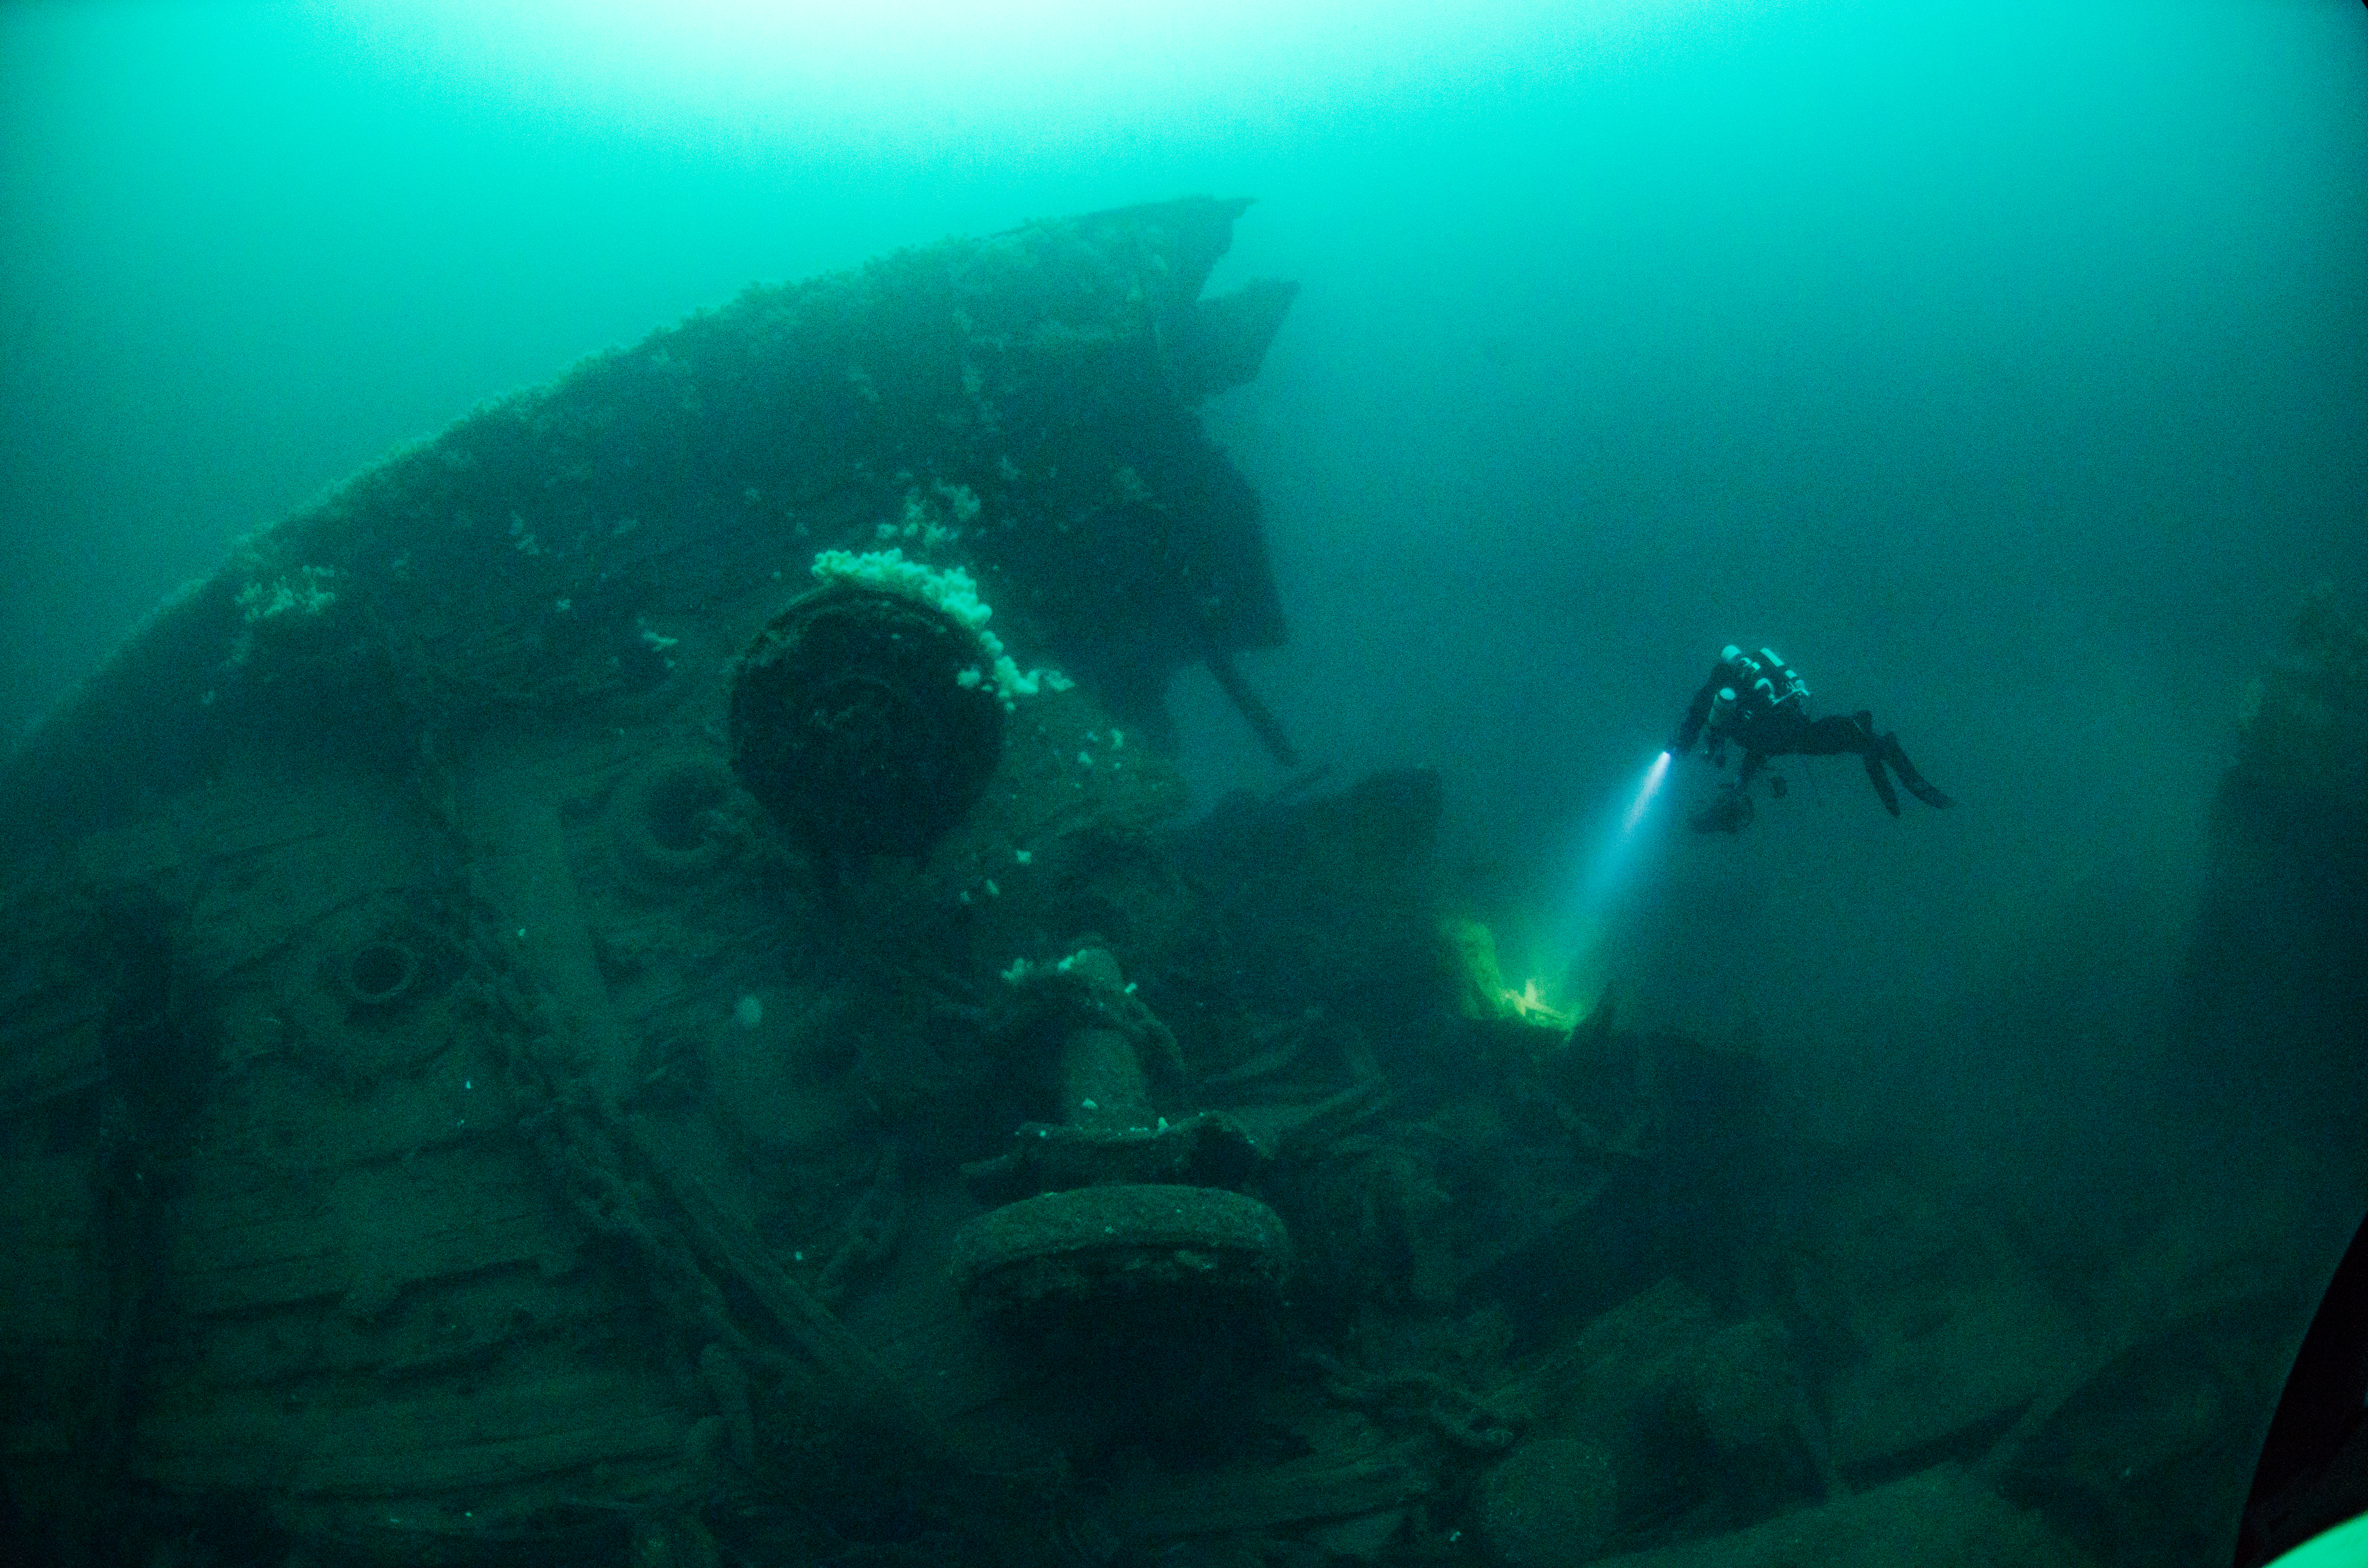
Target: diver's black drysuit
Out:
[1761,706]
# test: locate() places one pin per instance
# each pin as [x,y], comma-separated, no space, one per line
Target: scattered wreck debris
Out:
[1105,1253]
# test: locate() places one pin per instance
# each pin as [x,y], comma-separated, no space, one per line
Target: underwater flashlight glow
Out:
[1608,865]
[1653,776]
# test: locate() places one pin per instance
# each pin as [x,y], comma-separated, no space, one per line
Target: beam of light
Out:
[1615,857]
[1645,792]
[1608,864]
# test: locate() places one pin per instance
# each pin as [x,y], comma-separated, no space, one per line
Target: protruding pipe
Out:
[1262,717]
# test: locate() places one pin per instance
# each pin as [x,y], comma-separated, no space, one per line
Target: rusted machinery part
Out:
[381,972]
[674,819]
[1079,1000]
[383,956]
[853,723]
[1132,1245]
[1113,1047]
[1208,1149]
[1099,1247]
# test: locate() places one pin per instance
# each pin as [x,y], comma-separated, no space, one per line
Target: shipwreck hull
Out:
[287,1258]
[385,912]
[599,545]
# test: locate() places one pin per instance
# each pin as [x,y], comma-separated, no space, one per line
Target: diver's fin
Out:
[1875,775]
[1917,784]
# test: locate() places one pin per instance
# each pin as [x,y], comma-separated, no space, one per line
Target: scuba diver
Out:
[1761,705]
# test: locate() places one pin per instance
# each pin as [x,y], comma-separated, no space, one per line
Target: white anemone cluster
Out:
[952,592]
